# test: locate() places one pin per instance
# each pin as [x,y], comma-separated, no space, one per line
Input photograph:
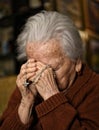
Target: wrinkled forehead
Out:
[49,49]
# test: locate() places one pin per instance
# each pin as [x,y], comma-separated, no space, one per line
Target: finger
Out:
[40,65]
[31,60]
[19,82]
[31,65]
[30,75]
[31,70]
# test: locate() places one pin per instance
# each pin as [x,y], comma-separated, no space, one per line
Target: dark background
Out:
[14,13]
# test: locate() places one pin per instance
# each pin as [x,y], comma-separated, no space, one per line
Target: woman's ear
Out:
[78,65]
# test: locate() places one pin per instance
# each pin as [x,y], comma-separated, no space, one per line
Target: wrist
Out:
[51,94]
[26,104]
[24,112]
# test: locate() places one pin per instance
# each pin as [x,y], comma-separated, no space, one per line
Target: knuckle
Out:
[28,75]
[50,69]
[23,66]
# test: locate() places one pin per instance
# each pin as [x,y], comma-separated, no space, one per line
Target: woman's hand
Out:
[46,85]
[27,71]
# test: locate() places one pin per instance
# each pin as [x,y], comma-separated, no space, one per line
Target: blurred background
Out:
[13,15]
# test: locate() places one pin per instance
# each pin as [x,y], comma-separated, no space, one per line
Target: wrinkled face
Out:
[52,54]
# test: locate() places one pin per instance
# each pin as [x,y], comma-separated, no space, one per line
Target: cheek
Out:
[63,77]
[62,72]
[60,78]
[62,82]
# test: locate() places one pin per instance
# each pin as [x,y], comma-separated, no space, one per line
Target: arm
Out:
[10,119]
[17,116]
[58,114]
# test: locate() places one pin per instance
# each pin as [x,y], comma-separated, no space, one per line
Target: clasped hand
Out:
[46,85]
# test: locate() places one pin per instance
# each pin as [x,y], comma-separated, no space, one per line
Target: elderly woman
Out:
[55,90]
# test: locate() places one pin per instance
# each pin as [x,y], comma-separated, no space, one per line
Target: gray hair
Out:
[47,25]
